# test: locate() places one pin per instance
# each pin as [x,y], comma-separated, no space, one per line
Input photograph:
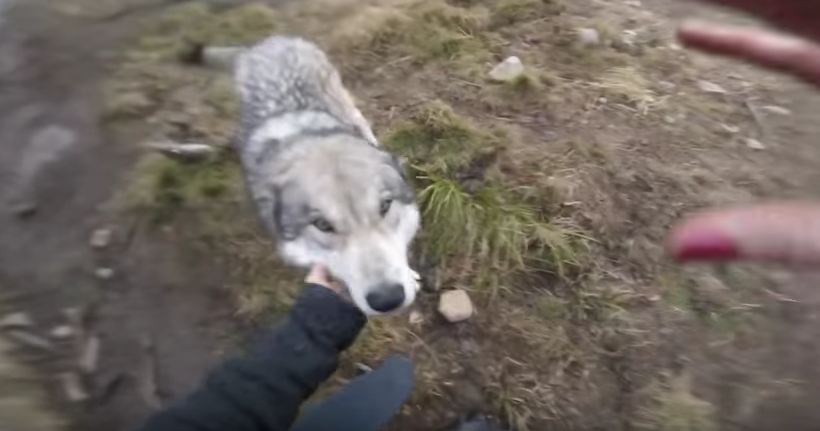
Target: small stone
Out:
[711,87]
[90,356]
[62,332]
[455,306]
[755,144]
[73,387]
[589,37]
[730,129]
[30,340]
[777,110]
[362,368]
[104,273]
[24,209]
[100,238]
[189,152]
[416,318]
[669,119]
[508,70]
[221,57]
[16,321]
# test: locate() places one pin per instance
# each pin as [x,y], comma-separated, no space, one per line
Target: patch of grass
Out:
[677,409]
[441,143]
[23,395]
[468,216]
[183,30]
[492,233]
[434,31]
[507,12]
[160,186]
[628,86]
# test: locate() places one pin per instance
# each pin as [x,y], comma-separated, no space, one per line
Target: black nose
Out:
[386,297]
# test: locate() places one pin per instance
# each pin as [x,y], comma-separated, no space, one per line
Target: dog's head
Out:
[345,204]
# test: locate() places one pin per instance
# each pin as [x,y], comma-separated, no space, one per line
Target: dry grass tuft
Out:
[677,409]
[23,405]
[628,86]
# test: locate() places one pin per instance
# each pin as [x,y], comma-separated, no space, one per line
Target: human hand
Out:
[780,232]
[319,275]
[799,56]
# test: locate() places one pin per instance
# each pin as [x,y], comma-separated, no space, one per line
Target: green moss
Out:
[441,143]
[160,186]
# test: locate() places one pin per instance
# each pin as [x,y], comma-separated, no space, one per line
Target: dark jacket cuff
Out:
[327,317]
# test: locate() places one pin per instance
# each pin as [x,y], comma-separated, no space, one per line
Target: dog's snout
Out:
[387,297]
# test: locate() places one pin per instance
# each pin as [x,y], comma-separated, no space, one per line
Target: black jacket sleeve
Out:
[263,392]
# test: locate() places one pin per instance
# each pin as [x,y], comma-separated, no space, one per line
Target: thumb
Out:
[777,232]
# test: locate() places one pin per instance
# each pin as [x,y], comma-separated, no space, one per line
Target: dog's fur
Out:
[311,162]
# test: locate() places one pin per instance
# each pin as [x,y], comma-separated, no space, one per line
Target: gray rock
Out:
[455,306]
[73,387]
[189,152]
[100,238]
[589,37]
[221,57]
[104,273]
[16,321]
[778,110]
[711,87]
[415,318]
[90,356]
[508,70]
[62,332]
[755,144]
[31,340]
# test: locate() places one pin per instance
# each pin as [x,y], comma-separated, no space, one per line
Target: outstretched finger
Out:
[780,232]
[795,55]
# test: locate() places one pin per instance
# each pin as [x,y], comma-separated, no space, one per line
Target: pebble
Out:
[16,321]
[755,144]
[189,152]
[778,110]
[416,318]
[62,332]
[221,57]
[104,273]
[24,209]
[711,87]
[90,356]
[589,37]
[455,306]
[100,238]
[730,129]
[73,387]
[507,70]
[30,340]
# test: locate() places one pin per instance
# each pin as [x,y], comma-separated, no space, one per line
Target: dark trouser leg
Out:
[365,404]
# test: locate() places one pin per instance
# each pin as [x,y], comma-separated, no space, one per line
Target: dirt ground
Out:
[615,141]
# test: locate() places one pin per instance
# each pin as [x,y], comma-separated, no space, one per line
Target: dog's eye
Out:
[323,225]
[384,206]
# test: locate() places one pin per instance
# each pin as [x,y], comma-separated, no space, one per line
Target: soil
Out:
[165,317]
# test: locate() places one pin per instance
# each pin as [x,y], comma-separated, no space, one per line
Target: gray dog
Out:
[322,185]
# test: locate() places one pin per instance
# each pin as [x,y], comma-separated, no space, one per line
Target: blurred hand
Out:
[319,275]
[800,56]
[780,232]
